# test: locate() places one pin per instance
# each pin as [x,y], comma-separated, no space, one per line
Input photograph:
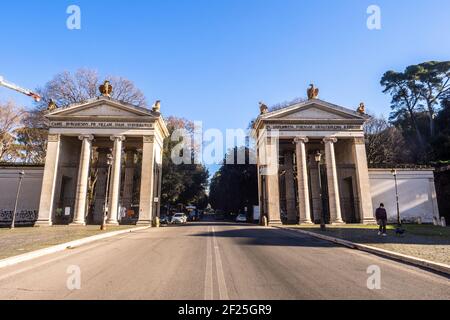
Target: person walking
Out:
[381,216]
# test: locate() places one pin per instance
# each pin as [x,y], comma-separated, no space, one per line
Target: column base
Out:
[43,223]
[369,221]
[112,223]
[275,222]
[144,223]
[306,222]
[338,223]
[77,224]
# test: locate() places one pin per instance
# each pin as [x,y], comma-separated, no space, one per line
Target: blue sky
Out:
[214,60]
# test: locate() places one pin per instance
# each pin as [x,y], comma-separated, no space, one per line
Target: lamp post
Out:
[21,174]
[106,205]
[318,158]
[394,173]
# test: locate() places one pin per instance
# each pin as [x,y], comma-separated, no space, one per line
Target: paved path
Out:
[217,261]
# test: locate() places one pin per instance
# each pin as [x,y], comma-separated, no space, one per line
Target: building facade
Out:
[312,165]
[104,158]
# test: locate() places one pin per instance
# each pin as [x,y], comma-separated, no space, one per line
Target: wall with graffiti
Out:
[28,195]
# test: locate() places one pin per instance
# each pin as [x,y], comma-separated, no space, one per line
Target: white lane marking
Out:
[223,291]
[209,269]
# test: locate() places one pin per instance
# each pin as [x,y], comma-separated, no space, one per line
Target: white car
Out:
[179,218]
[241,218]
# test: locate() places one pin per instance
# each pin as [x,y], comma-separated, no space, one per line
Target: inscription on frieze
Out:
[100,125]
[323,127]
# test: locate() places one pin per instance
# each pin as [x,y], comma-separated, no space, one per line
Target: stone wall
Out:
[417,194]
[30,192]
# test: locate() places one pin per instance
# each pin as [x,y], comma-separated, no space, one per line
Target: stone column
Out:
[147,181]
[129,179]
[100,192]
[302,180]
[363,183]
[273,187]
[114,189]
[332,177]
[290,188]
[48,181]
[158,207]
[82,182]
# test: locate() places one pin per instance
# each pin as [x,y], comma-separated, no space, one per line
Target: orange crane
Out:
[12,86]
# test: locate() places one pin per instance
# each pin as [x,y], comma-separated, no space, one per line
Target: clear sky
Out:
[213,60]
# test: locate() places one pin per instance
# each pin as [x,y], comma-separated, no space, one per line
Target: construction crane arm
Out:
[12,86]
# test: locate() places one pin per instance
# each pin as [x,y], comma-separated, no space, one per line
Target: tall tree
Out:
[433,81]
[385,143]
[441,141]
[235,186]
[11,117]
[405,101]
[182,183]
[67,88]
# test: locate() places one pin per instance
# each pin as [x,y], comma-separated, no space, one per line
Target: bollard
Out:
[157,222]
[265,222]
[436,221]
[443,222]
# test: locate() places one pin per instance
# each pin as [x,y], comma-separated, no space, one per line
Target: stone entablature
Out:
[311,126]
[108,126]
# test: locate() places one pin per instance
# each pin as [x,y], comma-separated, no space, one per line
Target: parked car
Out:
[179,218]
[241,218]
[164,220]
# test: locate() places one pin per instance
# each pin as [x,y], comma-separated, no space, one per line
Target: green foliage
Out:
[185,183]
[418,108]
[234,186]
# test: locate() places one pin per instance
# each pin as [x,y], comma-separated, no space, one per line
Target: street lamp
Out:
[318,158]
[109,158]
[21,174]
[394,173]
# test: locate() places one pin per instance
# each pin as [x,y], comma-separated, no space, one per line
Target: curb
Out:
[61,247]
[434,266]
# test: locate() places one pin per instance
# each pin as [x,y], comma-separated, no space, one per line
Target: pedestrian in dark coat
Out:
[381,216]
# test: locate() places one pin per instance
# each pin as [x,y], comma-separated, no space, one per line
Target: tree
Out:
[441,142]
[182,183]
[31,138]
[384,143]
[10,121]
[420,88]
[405,101]
[66,88]
[235,186]
[433,81]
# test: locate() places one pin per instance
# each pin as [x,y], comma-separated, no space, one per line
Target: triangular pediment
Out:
[101,108]
[314,110]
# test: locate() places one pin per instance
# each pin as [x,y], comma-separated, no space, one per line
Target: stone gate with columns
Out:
[104,157]
[296,188]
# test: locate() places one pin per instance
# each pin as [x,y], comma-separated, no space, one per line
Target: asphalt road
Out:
[213,260]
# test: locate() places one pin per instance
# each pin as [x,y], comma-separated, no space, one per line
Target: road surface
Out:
[212,260]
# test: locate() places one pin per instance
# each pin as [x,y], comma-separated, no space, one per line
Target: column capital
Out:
[330,140]
[359,140]
[114,138]
[149,139]
[301,140]
[89,137]
[53,137]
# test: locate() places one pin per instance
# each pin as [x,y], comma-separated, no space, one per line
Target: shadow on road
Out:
[264,237]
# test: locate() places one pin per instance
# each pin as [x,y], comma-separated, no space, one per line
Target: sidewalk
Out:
[22,240]
[426,242]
